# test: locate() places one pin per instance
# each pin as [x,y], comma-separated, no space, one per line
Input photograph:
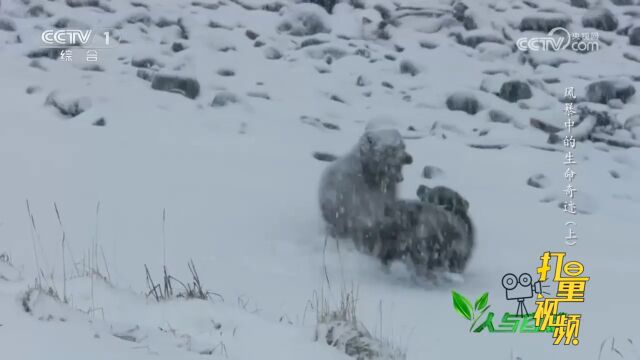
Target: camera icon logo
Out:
[519,289]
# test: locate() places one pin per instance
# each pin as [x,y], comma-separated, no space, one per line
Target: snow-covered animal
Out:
[357,187]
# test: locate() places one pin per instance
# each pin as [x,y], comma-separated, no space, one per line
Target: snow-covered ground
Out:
[232,170]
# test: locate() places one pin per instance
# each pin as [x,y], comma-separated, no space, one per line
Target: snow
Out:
[239,183]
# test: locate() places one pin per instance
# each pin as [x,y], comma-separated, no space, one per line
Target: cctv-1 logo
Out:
[520,289]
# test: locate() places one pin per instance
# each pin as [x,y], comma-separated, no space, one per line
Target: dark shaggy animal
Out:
[435,233]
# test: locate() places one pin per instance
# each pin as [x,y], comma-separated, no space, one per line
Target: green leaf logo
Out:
[470,312]
[462,305]
[481,302]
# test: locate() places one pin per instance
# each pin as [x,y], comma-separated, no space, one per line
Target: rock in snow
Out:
[463,101]
[605,90]
[188,87]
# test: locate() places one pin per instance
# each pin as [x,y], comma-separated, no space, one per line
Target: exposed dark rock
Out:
[337,98]
[177,47]
[330,126]
[603,118]
[259,94]
[384,12]
[601,19]
[272,7]
[311,42]
[305,24]
[515,90]
[184,31]
[363,52]
[382,34]
[461,14]
[139,18]
[144,74]
[499,116]
[544,22]
[634,36]
[459,8]
[428,45]
[317,123]
[252,35]
[333,51]
[7,24]
[387,84]
[32,89]
[544,126]
[38,11]
[272,53]
[224,98]
[216,25]
[614,141]
[68,107]
[407,67]
[475,38]
[604,90]
[208,6]
[488,146]
[93,67]
[51,53]
[89,3]
[327,5]
[100,122]
[66,23]
[362,81]
[226,72]
[36,64]
[145,62]
[538,181]
[323,156]
[432,172]
[583,4]
[463,101]
[469,23]
[188,87]
[139,4]
[164,22]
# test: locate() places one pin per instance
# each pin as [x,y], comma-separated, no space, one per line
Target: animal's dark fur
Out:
[434,233]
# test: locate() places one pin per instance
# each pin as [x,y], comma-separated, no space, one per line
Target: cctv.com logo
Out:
[557,39]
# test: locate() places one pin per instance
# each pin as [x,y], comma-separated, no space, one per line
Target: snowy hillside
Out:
[201,136]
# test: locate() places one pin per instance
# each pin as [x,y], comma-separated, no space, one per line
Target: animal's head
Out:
[443,196]
[383,154]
